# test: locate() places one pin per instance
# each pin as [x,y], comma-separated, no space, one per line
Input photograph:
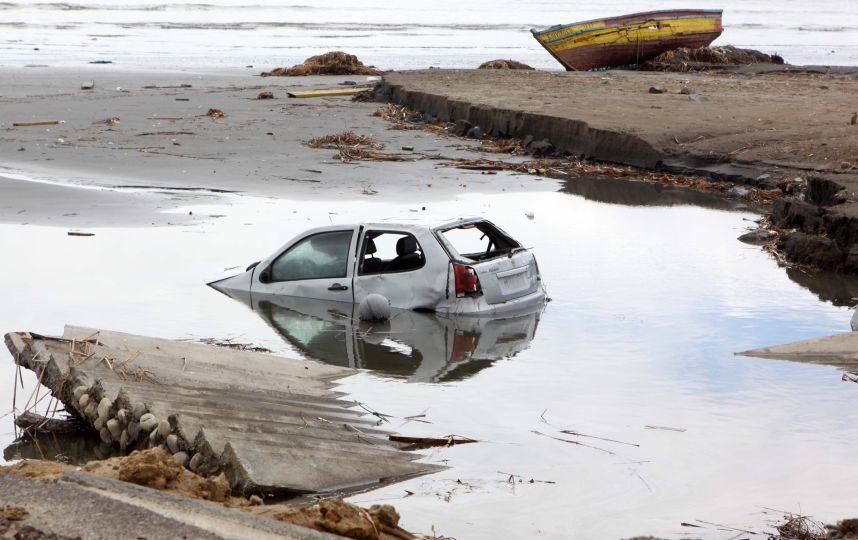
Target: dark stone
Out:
[541,148]
[475,132]
[462,126]
[686,91]
[657,90]
[757,237]
[812,250]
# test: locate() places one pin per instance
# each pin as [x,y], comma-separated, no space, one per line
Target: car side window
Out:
[323,255]
[385,252]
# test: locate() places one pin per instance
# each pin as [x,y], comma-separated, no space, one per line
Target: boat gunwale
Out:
[705,13]
[618,27]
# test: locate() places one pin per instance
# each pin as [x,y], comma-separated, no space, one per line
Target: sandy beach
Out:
[165,152]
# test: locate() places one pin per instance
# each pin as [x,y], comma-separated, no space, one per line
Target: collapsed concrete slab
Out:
[839,350]
[273,425]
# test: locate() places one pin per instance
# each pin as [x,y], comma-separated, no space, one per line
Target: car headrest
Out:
[406,245]
[370,247]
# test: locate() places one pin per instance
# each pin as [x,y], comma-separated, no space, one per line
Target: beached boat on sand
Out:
[629,39]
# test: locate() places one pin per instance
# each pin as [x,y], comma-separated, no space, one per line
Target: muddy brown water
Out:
[651,296]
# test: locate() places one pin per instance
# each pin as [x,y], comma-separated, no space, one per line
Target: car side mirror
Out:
[265,276]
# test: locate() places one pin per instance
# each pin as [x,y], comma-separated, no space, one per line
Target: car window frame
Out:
[270,268]
[362,252]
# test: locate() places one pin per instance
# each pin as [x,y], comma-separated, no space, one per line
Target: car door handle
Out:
[338,287]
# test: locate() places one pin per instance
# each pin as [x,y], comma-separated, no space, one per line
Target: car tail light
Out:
[464,345]
[467,282]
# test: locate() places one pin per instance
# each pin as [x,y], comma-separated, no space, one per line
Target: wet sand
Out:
[790,127]
[165,140]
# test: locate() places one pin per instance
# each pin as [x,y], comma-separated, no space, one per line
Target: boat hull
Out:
[629,39]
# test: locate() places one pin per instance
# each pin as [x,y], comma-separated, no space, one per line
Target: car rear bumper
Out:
[479,307]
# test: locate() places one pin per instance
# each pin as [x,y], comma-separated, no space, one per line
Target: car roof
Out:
[418,224]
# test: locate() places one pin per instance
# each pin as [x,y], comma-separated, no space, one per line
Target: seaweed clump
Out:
[330,63]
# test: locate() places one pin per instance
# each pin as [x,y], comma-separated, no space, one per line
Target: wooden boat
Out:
[629,39]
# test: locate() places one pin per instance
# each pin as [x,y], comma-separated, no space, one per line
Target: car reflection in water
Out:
[420,347]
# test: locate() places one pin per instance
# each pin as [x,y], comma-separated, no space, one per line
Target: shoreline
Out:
[728,125]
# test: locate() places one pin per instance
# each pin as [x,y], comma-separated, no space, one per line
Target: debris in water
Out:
[504,64]
[215,113]
[330,63]
[666,428]
[230,344]
[427,442]
[265,95]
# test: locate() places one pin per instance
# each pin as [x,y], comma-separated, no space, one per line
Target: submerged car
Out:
[468,266]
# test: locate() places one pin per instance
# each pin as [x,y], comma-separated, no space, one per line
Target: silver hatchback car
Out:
[466,267]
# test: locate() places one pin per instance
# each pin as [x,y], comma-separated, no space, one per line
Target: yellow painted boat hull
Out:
[629,39]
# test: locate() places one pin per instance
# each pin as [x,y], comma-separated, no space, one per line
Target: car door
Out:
[319,265]
[406,266]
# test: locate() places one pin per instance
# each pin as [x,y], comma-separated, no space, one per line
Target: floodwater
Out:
[164,34]
[651,297]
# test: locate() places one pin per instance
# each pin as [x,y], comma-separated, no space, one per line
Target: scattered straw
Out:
[344,138]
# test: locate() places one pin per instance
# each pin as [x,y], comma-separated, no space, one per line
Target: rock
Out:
[757,237]
[88,85]
[463,126]
[138,411]
[104,407]
[153,438]
[255,500]
[408,148]
[657,90]
[854,322]
[148,422]
[697,98]
[114,427]
[374,307]
[265,95]
[845,165]
[123,440]
[105,435]
[91,411]
[98,424]
[122,416]
[163,428]
[686,91]
[83,401]
[133,430]
[173,443]
[541,148]
[182,457]
[195,462]
[78,392]
[854,119]
[475,132]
